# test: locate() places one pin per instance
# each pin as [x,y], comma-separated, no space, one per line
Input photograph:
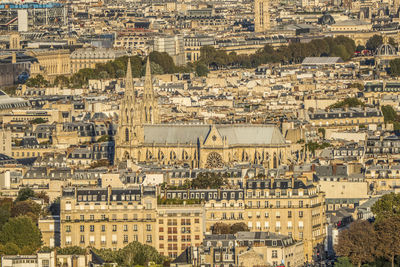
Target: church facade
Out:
[142,138]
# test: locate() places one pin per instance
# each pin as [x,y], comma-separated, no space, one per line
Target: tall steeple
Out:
[129,89]
[148,82]
[150,105]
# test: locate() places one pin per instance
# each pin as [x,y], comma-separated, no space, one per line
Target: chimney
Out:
[55,257]
[14,58]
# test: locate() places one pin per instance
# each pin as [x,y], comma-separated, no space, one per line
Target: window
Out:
[278,204]
[135,227]
[68,228]
[82,228]
[148,238]
[301,203]
[127,135]
[114,228]
[274,254]
[91,217]
[148,227]
[92,228]
[125,227]
[103,228]
[135,237]
[82,217]
[300,214]
[82,240]
[289,214]
[125,238]
[45,263]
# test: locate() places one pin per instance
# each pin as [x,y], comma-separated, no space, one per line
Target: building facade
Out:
[261,15]
[141,138]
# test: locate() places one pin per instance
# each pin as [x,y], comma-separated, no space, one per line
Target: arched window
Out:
[151,114]
[127,135]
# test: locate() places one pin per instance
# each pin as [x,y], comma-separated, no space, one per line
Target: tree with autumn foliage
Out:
[358,243]
[388,234]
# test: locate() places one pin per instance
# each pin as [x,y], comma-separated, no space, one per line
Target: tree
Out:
[154,68]
[387,206]
[61,80]
[43,195]
[395,67]
[25,193]
[360,48]
[38,121]
[343,262]
[22,232]
[201,70]
[220,228]
[10,249]
[74,250]
[374,42]
[388,231]
[208,180]
[104,138]
[133,254]
[390,116]
[37,81]
[4,216]
[348,102]
[358,243]
[164,60]
[27,208]
[392,42]
[238,227]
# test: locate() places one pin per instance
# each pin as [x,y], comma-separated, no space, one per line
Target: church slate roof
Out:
[246,134]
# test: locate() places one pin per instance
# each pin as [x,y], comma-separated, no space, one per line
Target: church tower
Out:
[134,115]
[128,119]
[261,16]
[149,108]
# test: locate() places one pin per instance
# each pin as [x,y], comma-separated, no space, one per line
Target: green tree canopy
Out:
[208,180]
[22,232]
[25,193]
[28,208]
[387,206]
[134,253]
[374,42]
[38,81]
[395,67]
[350,102]
[201,70]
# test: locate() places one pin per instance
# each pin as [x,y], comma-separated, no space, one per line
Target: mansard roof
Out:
[245,134]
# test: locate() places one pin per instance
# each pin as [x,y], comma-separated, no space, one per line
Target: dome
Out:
[326,19]
[386,50]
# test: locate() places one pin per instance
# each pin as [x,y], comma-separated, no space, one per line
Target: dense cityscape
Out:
[257,133]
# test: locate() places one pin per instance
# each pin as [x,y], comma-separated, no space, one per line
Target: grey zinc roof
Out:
[235,134]
[321,60]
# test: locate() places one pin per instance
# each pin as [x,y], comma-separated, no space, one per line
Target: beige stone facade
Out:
[51,63]
[108,218]
[141,139]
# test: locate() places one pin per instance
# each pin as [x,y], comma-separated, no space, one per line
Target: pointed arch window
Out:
[126,134]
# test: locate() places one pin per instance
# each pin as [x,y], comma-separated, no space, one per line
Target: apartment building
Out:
[108,217]
[293,207]
[179,227]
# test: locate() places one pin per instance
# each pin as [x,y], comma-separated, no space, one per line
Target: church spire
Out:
[129,90]
[148,83]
